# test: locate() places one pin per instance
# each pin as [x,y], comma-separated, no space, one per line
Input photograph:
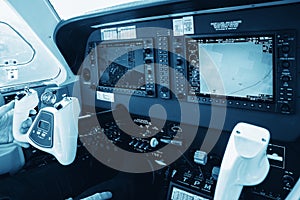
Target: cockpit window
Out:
[24,58]
[67,9]
[14,49]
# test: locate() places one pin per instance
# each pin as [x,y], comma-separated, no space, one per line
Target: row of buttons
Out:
[163,47]
[149,72]
[92,54]
[41,134]
[123,91]
[139,145]
[179,68]
[195,99]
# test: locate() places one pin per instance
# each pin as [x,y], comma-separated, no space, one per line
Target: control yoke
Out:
[25,101]
[54,130]
[245,161]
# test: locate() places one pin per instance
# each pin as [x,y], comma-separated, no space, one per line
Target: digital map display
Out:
[237,68]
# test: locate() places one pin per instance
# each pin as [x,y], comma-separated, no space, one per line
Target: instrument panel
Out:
[229,70]
[249,71]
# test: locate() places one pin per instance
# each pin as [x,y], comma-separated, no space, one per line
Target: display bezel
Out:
[187,190]
[212,39]
[125,45]
[143,53]
[235,101]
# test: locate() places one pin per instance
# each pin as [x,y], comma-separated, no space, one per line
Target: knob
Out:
[148,61]
[150,92]
[164,89]
[285,49]
[178,50]
[130,59]
[86,74]
[193,47]
[285,108]
[193,59]
[148,51]
[288,181]
[154,142]
[285,78]
[179,61]
[180,96]
[48,98]
[286,64]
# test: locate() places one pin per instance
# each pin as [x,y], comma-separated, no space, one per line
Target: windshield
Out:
[24,58]
[14,49]
[67,9]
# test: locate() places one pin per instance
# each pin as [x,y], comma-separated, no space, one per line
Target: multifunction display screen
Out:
[235,67]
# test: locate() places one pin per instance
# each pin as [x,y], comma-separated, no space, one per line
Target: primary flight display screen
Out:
[127,66]
[235,67]
[122,64]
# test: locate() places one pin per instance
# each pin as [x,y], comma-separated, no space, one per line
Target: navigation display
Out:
[239,67]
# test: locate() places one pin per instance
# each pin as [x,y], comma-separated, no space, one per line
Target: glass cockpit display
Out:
[126,66]
[122,64]
[235,67]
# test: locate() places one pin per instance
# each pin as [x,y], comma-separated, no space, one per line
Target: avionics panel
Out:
[126,66]
[253,71]
[235,41]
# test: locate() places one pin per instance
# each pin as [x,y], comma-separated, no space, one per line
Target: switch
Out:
[136,144]
[173,173]
[200,157]
[131,143]
[215,173]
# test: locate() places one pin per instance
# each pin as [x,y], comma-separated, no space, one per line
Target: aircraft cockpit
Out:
[167,100]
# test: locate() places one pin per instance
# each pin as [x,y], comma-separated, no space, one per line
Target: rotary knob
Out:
[179,62]
[285,48]
[178,50]
[288,181]
[49,97]
[148,61]
[148,51]
[164,89]
[86,74]
[285,108]
[285,64]
[285,78]
[180,95]
[154,142]
[150,92]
